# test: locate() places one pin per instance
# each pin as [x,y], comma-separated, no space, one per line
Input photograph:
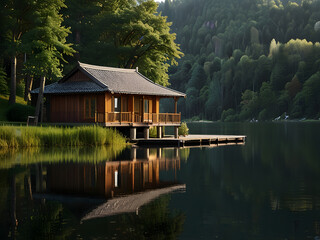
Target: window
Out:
[117,104]
[146,106]
[137,105]
[90,107]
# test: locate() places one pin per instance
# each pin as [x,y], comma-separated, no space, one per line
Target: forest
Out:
[236,60]
[247,59]
[41,40]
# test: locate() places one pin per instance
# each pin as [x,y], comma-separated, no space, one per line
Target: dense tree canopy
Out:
[244,59]
[37,38]
[125,34]
[257,57]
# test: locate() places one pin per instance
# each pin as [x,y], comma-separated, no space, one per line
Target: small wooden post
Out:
[132,115]
[146,133]
[176,132]
[133,133]
[159,132]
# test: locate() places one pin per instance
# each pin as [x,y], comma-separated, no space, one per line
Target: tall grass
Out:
[19,137]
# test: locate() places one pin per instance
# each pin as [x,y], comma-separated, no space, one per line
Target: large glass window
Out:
[90,107]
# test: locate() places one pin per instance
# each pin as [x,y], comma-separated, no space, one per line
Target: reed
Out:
[21,137]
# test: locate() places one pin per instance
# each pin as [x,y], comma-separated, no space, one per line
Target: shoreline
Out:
[19,137]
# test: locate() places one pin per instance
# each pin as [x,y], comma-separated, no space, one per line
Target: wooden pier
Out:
[191,140]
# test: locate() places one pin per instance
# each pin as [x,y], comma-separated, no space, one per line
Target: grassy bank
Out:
[20,137]
[5,107]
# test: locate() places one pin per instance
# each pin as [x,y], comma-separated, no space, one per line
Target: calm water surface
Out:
[268,188]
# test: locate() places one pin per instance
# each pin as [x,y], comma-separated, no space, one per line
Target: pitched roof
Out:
[107,79]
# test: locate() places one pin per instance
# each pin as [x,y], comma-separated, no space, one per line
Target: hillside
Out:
[247,59]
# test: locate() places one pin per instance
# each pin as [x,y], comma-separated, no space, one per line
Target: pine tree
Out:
[46,43]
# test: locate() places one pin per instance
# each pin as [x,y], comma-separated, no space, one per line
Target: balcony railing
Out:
[130,117]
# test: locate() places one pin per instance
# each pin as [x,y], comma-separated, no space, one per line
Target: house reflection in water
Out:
[114,178]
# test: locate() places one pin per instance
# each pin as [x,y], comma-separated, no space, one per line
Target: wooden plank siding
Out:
[79,76]
[71,109]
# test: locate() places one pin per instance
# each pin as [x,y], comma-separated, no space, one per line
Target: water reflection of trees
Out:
[266,189]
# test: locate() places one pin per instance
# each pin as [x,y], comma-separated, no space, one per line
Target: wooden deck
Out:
[191,140]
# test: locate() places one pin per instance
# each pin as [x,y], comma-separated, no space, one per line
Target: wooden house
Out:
[109,97]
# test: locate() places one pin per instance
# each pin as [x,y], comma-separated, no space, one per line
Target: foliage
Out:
[153,132]
[5,106]
[253,57]
[20,89]
[14,137]
[3,82]
[46,39]
[19,112]
[126,34]
[229,115]
[183,129]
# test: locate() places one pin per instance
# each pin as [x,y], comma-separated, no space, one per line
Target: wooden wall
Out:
[79,76]
[153,102]
[70,108]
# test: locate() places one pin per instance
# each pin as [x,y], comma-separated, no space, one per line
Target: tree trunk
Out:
[13,85]
[40,97]
[28,87]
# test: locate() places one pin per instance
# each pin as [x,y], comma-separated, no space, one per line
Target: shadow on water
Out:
[82,193]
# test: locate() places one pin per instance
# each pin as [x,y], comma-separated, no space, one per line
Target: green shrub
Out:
[183,129]
[232,118]
[194,119]
[263,115]
[226,114]
[19,112]
[153,132]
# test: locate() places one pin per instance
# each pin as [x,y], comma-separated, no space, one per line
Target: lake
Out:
[268,188]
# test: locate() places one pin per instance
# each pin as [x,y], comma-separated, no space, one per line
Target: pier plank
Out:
[190,140]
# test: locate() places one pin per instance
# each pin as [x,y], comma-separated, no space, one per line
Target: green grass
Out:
[4,105]
[22,137]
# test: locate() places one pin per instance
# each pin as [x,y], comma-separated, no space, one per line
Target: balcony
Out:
[115,118]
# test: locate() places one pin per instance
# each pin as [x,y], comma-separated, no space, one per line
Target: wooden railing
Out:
[130,117]
[162,117]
